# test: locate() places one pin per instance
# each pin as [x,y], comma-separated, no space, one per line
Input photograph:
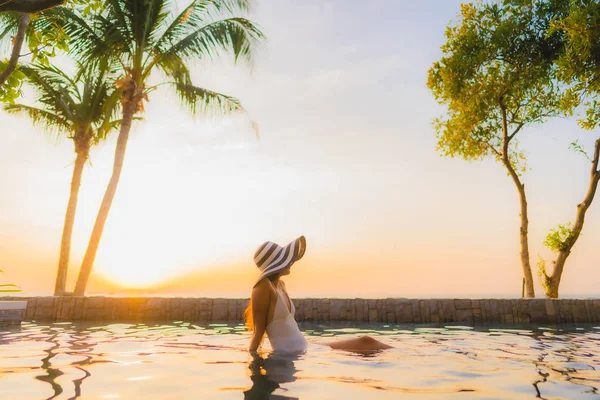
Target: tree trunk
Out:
[523,237]
[524,229]
[129,108]
[553,281]
[16,51]
[28,6]
[65,244]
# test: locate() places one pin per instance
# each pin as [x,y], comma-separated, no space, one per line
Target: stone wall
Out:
[419,311]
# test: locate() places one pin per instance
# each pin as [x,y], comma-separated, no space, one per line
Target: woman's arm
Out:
[261,298]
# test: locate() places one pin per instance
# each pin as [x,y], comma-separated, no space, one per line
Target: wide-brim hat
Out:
[272,258]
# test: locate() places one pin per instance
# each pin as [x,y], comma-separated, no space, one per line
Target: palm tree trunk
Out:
[553,281]
[129,108]
[65,244]
[16,51]
[524,229]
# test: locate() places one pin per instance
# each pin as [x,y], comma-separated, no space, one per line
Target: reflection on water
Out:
[267,375]
[182,360]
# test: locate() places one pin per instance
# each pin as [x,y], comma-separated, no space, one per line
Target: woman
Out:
[272,312]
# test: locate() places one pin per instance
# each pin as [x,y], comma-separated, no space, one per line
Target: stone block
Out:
[551,310]
[403,311]
[424,311]
[219,310]
[448,310]
[174,311]
[373,310]
[567,312]
[204,310]
[524,311]
[508,313]
[416,310]
[537,310]
[464,316]
[462,304]
[45,309]
[46,302]
[66,309]
[323,310]
[78,306]
[337,309]
[241,305]
[382,310]
[496,310]
[231,309]
[359,305]
[155,309]
[190,309]
[514,304]
[30,311]
[596,310]
[579,311]
[390,310]
[477,320]
[434,311]
[95,303]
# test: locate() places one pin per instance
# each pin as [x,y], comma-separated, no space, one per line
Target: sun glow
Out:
[172,214]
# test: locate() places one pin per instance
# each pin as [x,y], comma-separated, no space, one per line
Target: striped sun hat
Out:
[271,258]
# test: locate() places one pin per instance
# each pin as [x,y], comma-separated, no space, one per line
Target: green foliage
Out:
[580,64]
[542,273]
[559,238]
[44,36]
[578,148]
[498,62]
[12,288]
[11,90]
[86,7]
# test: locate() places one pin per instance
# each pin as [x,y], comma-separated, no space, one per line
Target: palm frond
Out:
[108,111]
[8,24]
[238,35]
[87,43]
[55,88]
[173,66]
[197,14]
[43,118]
[145,16]
[198,99]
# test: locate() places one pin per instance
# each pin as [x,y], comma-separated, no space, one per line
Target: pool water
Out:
[186,361]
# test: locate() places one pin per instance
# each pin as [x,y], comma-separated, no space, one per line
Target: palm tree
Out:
[81,107]
[141,37]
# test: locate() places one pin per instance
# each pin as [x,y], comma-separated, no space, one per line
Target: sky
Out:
[346,156]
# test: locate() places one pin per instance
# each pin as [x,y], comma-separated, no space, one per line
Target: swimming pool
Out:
[184,361]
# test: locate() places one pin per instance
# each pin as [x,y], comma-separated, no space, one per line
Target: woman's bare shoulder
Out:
[264,288]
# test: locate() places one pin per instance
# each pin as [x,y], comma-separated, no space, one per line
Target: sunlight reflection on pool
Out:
[183,360]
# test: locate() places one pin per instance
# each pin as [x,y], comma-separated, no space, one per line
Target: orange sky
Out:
[346,157]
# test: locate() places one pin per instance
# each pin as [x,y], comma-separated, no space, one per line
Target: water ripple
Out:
[183,360]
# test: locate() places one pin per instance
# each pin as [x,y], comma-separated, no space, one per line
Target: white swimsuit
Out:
[283,332]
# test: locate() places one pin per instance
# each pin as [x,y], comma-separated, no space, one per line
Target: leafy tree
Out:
[579,67]
[31,21]
[496,77]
